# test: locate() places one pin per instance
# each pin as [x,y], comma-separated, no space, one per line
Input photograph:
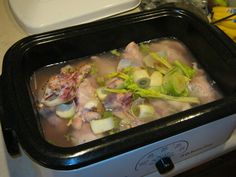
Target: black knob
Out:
[164,165]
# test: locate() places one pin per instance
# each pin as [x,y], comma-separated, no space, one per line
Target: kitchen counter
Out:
[10,32]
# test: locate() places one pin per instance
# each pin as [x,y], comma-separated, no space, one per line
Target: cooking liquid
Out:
[61,132]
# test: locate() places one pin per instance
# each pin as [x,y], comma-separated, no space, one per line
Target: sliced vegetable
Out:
[160,59]
[145,49]
[131,86]
[101,93]
[115,52]
[102,125]
[175,83]
[66,110]
[154,94]
[188,71]
[156,79]
[100,81]
[141,78]
[146,112]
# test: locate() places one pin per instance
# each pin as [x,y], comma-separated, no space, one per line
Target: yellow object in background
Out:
[228,25]
[229,31]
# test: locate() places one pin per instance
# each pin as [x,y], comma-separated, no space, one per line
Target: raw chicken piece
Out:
[162,108]
[83,135]
[179,106]
[104,65]
[88,106]
[127,120]
[174,51]
[133,53]
[200,87]
[118,101]
[120,104]
[115,83]
[61,88]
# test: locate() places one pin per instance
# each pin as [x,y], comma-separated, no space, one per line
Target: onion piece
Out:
[141,78]
[66,110]
[156,79]
[102,125]
[101,93]
[146,112]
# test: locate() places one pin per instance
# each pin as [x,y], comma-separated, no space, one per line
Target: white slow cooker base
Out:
[24,167]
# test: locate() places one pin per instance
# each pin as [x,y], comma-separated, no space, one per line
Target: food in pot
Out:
[117,90]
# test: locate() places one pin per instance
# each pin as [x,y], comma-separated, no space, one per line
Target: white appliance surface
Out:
[187,150]
[37,16]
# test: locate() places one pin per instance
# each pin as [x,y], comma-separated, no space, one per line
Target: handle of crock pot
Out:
[9,134]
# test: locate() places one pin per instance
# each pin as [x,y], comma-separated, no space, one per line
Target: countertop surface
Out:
[10,32]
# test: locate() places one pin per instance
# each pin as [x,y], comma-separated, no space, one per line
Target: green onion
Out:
[141,78]
[160,59]
[188,71]
[115,52]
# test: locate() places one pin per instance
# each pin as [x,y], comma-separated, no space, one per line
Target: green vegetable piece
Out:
[188,71]
[175,84]
[141,78]
[100,81]
[107,114]
[144,48]
[101,93]
[160,59]
[116,90]
[116,52]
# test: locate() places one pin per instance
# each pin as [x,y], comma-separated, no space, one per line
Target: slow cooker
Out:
[157,146]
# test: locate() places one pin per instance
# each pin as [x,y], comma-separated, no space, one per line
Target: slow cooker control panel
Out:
[163,157]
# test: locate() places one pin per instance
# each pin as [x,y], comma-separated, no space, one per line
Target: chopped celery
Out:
[116,90]
[160,59]
[101,93]
[107,114]
[175,83]
[144,48]
[188,71]
[115,52]
[100,81]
